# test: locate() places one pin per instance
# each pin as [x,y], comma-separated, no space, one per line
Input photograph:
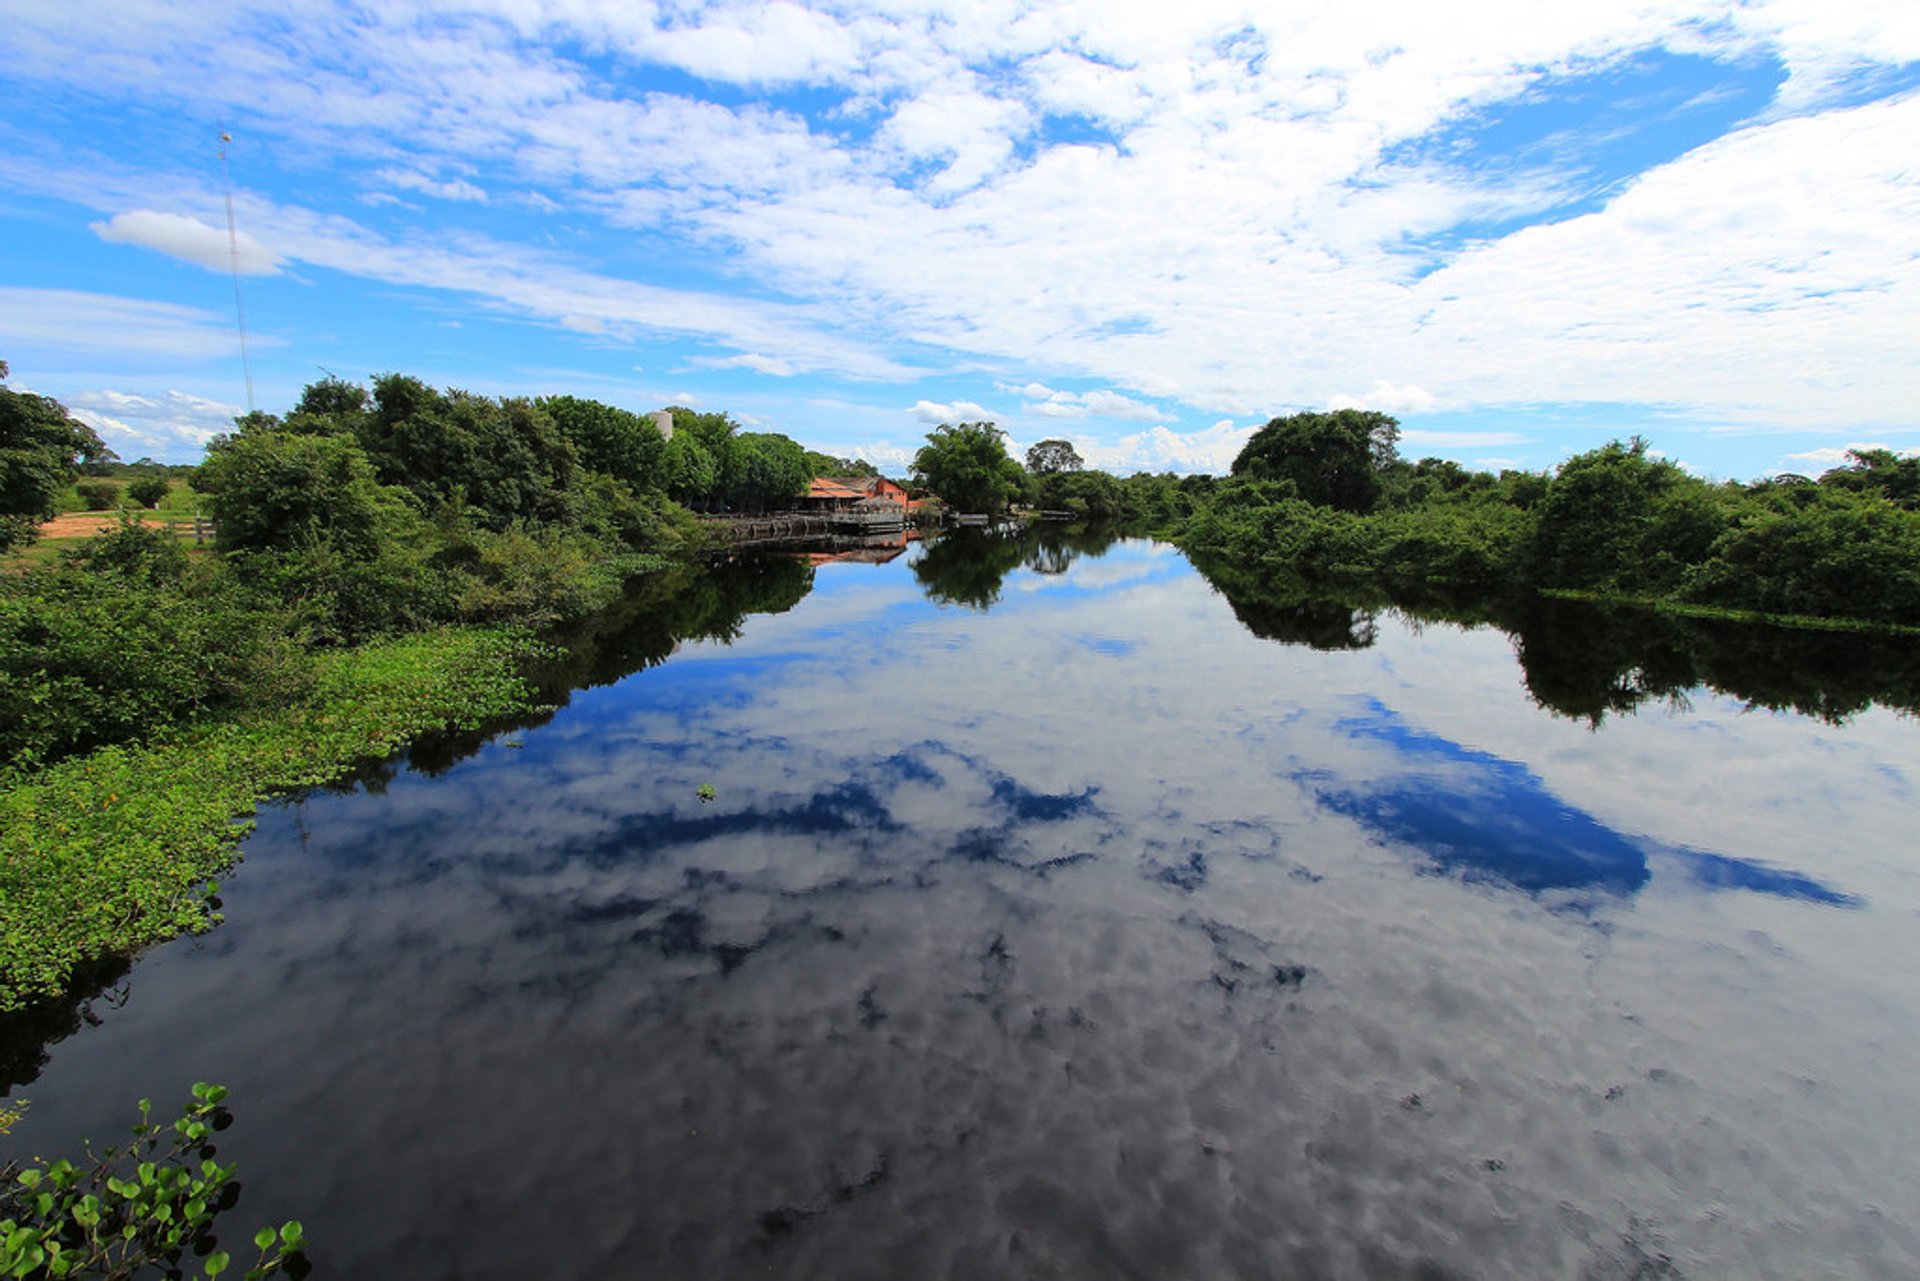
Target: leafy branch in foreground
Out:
[144,1205]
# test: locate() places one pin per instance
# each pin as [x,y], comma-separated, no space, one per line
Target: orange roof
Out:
[821,487]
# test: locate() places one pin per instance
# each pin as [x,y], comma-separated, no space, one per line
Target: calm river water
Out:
[1054,915]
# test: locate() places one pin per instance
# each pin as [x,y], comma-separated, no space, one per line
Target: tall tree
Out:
[968,466]
[616,441]
[764,469]
[1050,456]
[42,449]
[1333,459]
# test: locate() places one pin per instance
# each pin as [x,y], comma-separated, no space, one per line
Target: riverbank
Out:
[110,852]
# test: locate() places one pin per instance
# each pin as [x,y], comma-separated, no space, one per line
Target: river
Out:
[1020,908]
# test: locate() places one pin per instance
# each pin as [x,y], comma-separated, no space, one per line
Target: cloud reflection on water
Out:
[1474,814]
[995,957]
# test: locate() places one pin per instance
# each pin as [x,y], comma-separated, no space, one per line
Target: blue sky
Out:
[1145,228]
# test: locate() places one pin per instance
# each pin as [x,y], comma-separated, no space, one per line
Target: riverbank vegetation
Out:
[1325,500]
[381,556]
[380,559]
[1325,504]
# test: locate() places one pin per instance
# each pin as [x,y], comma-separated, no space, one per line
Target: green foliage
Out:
[764,469]
[147,491]
[969,468]
[1616,519]
[505,460]
[1086,495]
[620,443]
[42,449]
[690,470]
[278,491]
[98,495]
[1050,456]
[105,853]
[147,1204]
[122,642]
[1879,471]
[819,464]
[1333,459]
[1847,553]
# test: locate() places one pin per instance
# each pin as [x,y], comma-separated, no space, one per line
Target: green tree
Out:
[1051,456]
[622,444]
[968,467]
[819,464]
[1879,471]
[42,448]
[689,469]
[1617,519]
[504,459]
[274,490]
[148,491]
[1333,459]
[764,469]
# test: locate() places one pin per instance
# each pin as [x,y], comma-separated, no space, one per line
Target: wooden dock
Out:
[788,527]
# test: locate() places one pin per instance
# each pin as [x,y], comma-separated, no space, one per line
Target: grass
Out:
[1682,609]
[105,854]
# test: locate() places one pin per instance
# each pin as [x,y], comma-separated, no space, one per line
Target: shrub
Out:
[148,491]
[98,495]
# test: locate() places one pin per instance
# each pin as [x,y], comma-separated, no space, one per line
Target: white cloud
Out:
[191,240]
[960,411]
[172,427]
[1390,399]
[1049,403]
[1822,459]
[1158,449]
[1460,439]
[448,189]
[1237,232]
[68,320]
[772,366]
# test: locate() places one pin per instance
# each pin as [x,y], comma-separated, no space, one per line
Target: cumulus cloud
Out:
[1390,399]
[1229,208]
[1049,403]
[1460,439]
[960,411]
[1158,449]
[171,427]
[191,240]
[1838,456]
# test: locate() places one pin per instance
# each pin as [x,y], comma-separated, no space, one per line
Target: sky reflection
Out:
[1475,815]
[996,953]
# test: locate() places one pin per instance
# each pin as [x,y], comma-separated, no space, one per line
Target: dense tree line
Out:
[363,511]
[1325,499]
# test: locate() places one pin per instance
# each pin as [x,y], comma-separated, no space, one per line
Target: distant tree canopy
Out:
[1051,456]
[1332,459]
[42,448]
[763,469]
[969,468]
[819,464]
[623,444]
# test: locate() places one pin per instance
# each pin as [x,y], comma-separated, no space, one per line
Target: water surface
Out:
[1048,919]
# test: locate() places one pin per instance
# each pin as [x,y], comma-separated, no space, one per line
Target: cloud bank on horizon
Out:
[1144,228]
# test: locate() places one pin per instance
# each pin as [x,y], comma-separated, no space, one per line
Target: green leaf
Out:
[263,1238]
[217,1262]
[292,1235]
